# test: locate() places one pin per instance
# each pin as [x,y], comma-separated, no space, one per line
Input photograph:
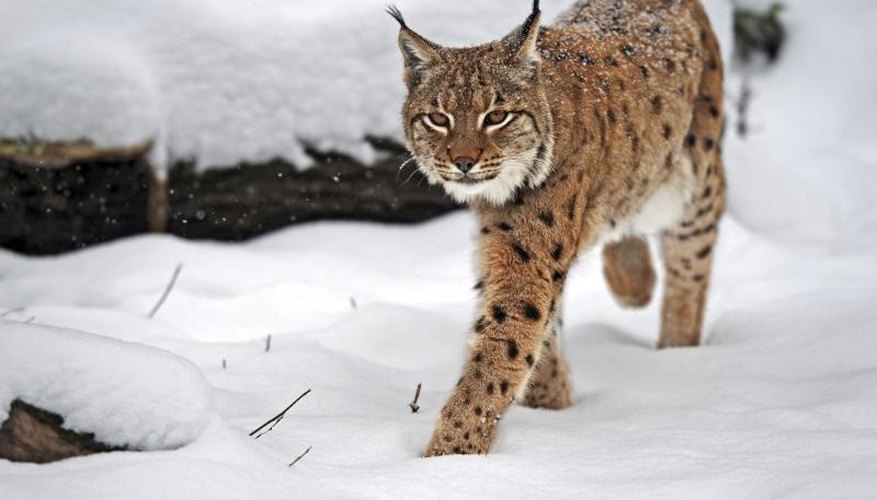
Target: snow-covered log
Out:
[65,393]
[58,198]
[32,434]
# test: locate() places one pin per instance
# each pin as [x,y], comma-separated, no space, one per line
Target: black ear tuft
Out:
[534,15]
[397,14]
[418,52]
[522,43]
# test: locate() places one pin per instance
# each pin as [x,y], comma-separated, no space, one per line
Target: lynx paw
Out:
[462,432]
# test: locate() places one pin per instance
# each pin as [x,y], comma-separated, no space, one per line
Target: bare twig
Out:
[301,456]
[413,405]
[268,343]
[167,290]
[743,102]
[277,418]
[224,364]
[353,302]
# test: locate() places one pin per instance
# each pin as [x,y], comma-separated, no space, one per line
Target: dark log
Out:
[248,200]
[31,434]
[80,196]
[50,209]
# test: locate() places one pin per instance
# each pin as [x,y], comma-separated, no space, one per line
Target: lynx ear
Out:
[418,52]
[522,41]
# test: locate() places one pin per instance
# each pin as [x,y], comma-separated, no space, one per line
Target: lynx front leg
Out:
[549,386]
[522,279]
[507,343]
[688,255]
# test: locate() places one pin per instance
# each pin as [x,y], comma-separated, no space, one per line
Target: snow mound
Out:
[70,93]
[226,82]
[126,394]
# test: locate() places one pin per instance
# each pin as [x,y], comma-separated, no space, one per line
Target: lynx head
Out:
[476,119]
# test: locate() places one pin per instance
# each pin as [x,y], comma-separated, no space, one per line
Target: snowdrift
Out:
[226,82]
[127,395]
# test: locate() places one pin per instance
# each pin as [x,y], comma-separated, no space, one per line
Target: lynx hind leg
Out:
[688,255]
[549,385]
[627,266]
[688,248]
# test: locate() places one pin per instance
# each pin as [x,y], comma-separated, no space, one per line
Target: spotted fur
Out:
[599,129]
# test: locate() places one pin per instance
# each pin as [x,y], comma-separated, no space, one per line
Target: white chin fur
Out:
[496,191]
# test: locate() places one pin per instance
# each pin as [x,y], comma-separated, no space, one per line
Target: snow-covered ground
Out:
[780,402]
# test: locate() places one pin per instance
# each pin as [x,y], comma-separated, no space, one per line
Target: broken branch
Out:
[301,456]
[413,405]
[277,418]
[167,291]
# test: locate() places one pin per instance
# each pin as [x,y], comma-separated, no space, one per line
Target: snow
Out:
[226,82]
[125,394]
[780,402]
[806,174]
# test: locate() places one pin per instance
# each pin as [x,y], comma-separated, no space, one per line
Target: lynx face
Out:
[476,119]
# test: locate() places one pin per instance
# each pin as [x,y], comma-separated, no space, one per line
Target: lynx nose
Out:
[464,164]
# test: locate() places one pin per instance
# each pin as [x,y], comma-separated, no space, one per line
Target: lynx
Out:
[598,130]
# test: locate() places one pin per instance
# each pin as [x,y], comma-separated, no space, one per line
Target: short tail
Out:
[627,266]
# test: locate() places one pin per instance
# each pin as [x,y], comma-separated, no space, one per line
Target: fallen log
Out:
[56,199]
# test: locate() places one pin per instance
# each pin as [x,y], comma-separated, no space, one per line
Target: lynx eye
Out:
[438,120]
[497,117]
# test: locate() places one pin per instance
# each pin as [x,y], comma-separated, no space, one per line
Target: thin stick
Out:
[413,404]
[301,456]
[743,103]
[277,418]
[167,290]
[268,344]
